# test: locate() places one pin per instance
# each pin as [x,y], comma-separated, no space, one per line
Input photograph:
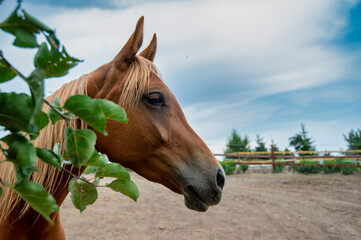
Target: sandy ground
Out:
[254,206]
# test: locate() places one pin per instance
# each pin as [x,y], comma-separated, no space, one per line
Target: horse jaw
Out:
[199,182]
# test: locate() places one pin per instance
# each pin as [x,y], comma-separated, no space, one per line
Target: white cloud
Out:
[282,45]
[269,46]
[211,121]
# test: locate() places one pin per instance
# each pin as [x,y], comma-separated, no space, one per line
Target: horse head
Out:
[157,142]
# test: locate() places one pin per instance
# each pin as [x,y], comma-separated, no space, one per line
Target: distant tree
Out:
[353,138]
[301,142]
[287,150]
[261,145]
[236,143]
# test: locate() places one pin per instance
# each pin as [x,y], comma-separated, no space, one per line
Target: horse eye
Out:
[155,99]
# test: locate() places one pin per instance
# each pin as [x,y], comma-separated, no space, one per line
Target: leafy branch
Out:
[22,115]
[57,111]
[77,177]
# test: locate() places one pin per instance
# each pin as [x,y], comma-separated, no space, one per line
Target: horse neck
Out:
[54,181]
[25,223]
[16,214]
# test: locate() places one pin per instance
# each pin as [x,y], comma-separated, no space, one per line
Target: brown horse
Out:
[157,143]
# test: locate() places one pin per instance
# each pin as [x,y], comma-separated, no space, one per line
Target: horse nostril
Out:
[220,179]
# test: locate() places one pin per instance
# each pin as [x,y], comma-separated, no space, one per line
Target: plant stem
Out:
[67,119]
[77,177]
[12,68]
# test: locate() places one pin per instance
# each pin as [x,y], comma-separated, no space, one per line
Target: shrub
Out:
[244,167]
[333,169]
[348,170]
[308,167]
[228,166]
[343,170]
[278,168]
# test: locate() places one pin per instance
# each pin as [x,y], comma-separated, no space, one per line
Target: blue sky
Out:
[261,67]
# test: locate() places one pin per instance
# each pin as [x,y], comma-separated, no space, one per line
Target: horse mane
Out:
[131,90]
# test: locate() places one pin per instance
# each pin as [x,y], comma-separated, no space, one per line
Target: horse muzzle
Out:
[200,194]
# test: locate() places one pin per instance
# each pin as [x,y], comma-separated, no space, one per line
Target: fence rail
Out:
[294,152]
[291,158]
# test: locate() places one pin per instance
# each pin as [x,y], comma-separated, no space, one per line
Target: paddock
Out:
[254,206]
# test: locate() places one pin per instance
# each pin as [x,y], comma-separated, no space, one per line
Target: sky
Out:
[257,66]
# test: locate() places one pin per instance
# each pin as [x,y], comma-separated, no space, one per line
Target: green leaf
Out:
[6,74]
[61,64]
[52,62]
[95,111]
[16,111]
[49,157]
[24,27]
[35,22]
[56,149]
[88,110]
[113,170]
[22,174]
[24,38]
[82,194]
[112,111]
[79,145]
[1,191]
[23,30]
[22,153]
[57,152]
[54,117]
[41,59]
[97,160]
[36,84]
[127,187]
[39,199]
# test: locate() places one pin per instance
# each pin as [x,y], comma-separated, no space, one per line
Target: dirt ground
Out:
[254,206]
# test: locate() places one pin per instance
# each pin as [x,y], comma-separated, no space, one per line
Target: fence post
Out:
[273,157]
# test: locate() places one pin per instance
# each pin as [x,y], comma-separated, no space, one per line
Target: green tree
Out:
[237,143]
[287,150]
[22,115]
[301,142]
[261,145]
[353,139]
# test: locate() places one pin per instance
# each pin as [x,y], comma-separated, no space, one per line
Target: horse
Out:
[157,142]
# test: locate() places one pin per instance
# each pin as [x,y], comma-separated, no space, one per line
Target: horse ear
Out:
[130,49]
[149,52]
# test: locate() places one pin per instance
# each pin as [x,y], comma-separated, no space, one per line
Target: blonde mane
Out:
[131,90]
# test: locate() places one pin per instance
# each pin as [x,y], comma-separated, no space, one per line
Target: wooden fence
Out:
[293,158]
